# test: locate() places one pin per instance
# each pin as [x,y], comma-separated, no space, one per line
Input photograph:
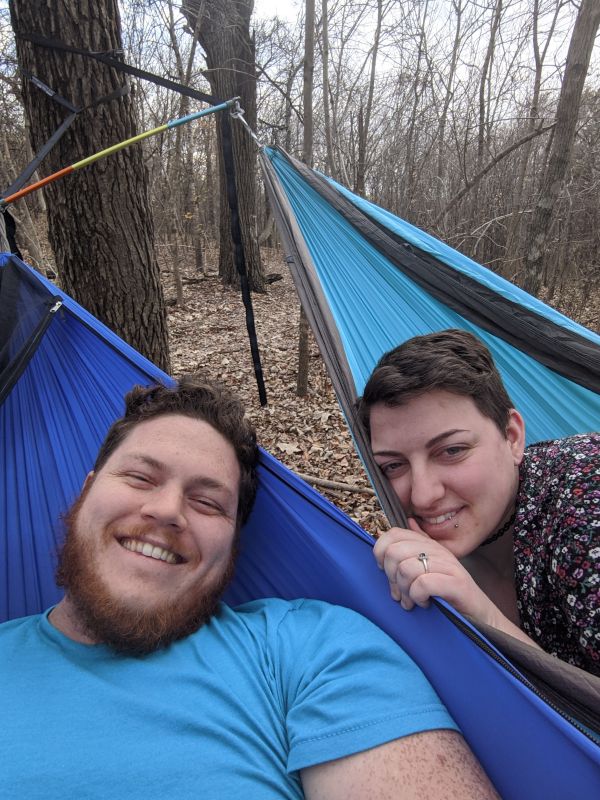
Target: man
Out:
[139,683]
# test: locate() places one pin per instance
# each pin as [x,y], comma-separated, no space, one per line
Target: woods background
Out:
[442,111]
[477,120]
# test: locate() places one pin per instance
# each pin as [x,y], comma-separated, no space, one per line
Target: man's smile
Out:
[151,550]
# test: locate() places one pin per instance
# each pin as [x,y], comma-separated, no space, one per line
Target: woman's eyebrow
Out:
[431,443]
[444,435]
[386,453]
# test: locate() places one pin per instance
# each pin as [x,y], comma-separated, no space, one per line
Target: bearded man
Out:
[141,683]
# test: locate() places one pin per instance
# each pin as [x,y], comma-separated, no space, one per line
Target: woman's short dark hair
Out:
[201,399]
[452,360]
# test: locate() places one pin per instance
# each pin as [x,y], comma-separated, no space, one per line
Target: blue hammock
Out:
[62,379]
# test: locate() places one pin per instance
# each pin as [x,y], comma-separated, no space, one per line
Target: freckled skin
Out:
[435,765]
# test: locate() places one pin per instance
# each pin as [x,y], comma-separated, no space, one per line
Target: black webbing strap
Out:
[41,154]
[229,165]
[47,90]
[10,230]
[239,257]
[112,61]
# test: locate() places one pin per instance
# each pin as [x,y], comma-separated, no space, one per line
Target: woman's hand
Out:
[397,551]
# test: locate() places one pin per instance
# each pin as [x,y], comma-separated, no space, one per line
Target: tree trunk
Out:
[183,209]
[331,169]
[449,92]
[224,33]
[413,130]
[515,226]
[211,195]
[567,112]
[484,80]
[99,222]
[26,233]
[365,119]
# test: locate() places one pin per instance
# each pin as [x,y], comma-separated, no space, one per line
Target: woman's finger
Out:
[387,539]
[401,576]
[396,535]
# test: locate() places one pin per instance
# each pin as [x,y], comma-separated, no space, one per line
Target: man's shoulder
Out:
[299,609]
[303,619]
[19,624]
[19,634]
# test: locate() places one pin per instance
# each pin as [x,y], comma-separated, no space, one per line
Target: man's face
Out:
[149,545]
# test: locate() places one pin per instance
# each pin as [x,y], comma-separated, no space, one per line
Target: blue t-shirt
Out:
[235,710]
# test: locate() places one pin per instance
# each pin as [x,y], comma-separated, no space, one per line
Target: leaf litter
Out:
[308,434]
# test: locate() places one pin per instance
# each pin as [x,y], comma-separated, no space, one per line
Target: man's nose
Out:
[165,505]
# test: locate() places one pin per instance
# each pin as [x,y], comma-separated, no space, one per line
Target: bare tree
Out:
[540,51]
[223,29]
[99,222]
[484,83]
[181,197]
[401,111]
[308,78]
[330,163]
[364,116]
[567,113]
[448,81]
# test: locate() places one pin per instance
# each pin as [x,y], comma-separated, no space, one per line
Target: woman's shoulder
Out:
[577,445]
[559,483]
[571,455]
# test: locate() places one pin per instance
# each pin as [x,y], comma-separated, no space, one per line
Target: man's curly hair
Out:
[201,399]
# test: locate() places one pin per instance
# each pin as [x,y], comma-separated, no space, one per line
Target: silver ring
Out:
[423,559]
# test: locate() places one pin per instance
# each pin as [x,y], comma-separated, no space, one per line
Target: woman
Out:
[509,535]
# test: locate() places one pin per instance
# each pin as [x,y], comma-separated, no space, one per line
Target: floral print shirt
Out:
[557,548]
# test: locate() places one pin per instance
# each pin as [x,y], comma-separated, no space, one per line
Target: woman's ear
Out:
[515,434]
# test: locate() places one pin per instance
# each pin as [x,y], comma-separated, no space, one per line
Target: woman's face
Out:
[451,467]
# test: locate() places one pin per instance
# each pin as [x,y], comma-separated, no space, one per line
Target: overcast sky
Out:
[284,9]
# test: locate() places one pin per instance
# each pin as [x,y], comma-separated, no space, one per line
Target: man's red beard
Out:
[111,620]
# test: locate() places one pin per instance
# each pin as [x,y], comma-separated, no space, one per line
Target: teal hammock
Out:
[369,280]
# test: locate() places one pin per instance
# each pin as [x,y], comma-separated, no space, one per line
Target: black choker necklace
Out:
[501,531]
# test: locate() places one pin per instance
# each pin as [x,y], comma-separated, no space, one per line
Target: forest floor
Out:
[308,434]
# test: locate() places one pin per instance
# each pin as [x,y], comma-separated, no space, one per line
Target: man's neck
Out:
[65,619]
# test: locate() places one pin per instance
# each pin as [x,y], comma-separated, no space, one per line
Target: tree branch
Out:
[489,166]
[345,487]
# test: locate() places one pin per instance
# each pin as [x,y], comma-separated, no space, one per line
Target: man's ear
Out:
[515,435]
[88,480]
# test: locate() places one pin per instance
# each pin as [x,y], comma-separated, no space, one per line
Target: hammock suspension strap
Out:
[26,174]
[238,113]
[236,237]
